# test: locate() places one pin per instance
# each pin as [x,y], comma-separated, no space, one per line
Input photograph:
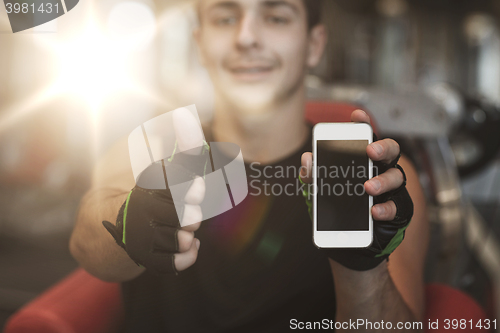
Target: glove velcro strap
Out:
[161,263]
[164,238]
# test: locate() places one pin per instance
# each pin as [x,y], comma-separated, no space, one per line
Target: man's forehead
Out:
[208,4]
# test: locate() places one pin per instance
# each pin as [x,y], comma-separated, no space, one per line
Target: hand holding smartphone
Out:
[342,209]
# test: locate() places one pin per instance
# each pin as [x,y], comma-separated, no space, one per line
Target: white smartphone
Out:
[342,209]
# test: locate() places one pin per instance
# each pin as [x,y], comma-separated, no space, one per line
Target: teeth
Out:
[251,70]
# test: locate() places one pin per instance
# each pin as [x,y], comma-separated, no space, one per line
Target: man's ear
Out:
[318,38]
[197,38]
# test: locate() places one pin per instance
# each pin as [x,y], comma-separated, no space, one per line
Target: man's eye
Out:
[223,21]
[277,20]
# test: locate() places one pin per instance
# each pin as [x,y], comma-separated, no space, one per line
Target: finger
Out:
[388,181]
[187,259]
[188,131]
[192,227]
[385,211]
[192,214]
[196,192]
[185,239]
[360,116]
[306,168]
[385,151]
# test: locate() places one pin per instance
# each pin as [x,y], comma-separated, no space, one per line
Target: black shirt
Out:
[257,267]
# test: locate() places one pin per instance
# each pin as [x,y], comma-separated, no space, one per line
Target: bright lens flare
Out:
[92,68]
[97,63]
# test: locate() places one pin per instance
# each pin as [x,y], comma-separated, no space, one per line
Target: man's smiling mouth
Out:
[251,72]
[257,69]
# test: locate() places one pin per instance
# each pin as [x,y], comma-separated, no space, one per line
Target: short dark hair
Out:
[314,10]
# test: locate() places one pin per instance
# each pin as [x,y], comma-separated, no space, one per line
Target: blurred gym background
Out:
[427,69]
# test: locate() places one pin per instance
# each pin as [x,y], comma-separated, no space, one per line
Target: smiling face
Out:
[257,51]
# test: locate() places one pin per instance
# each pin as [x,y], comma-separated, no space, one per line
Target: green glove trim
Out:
[171,158]
[395,242]
[125,220]
[307,196]
[125,215]
[206,148]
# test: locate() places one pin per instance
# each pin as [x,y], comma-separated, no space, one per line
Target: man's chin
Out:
[252,99]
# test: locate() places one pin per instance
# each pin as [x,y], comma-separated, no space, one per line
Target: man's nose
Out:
[248,33]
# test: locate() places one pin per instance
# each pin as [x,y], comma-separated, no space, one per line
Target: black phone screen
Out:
[342,169]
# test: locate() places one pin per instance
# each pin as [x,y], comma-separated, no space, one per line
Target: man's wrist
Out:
[339,268]
[358,259]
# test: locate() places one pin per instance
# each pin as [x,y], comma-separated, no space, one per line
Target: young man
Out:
[255,267]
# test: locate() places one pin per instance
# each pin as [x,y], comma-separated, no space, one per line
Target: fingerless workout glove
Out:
[148,223]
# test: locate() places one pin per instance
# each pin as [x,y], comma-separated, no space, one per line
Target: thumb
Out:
[306,168]
[187,131]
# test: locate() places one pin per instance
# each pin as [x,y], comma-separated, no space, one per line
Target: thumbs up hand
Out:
[155,228]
